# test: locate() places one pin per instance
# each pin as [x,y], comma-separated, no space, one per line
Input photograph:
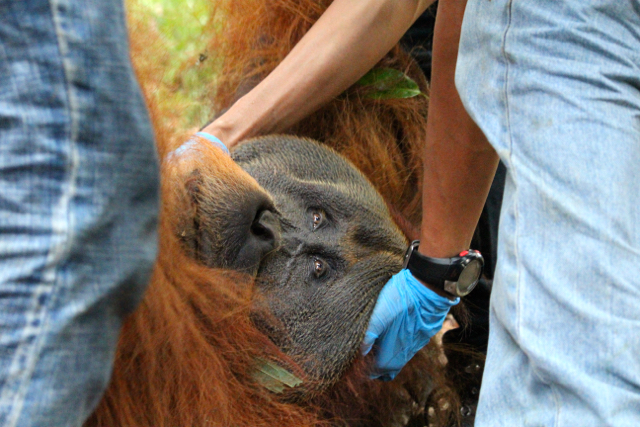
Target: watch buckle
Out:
[451,287]
[413,246]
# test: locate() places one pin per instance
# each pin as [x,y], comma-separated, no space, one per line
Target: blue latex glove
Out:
[214,140]
[406,316]
[192,142]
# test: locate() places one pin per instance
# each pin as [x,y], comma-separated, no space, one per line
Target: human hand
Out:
[406,316]
[212,139]
[187,147]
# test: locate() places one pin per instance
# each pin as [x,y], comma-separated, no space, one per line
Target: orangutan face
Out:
[338,247]
[318,238]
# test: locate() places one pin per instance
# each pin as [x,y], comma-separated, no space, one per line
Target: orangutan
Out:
[304,225]
[277,256]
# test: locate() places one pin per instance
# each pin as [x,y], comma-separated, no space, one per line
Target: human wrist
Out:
[219,127]
[442,242]
[234,125]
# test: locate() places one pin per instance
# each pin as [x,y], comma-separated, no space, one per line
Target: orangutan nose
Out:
[263,237]
[266,230]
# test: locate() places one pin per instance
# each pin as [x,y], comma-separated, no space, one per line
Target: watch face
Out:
[469,277]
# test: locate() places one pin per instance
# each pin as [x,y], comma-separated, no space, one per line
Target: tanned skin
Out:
[459,162]
[347,40]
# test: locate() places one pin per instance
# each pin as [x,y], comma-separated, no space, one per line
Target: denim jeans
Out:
[78,204]
[555,86]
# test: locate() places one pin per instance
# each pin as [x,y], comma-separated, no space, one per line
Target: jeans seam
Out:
[509,151]
[512,171]
[63,215]
[61,219]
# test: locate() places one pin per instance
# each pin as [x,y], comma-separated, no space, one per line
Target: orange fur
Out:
[187,355]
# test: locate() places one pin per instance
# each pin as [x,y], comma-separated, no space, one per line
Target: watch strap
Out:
[433,271]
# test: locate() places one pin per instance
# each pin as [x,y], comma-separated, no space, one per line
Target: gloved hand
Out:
[404,319]
[191,142]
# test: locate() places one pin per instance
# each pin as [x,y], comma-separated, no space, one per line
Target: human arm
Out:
[347,40]
[459,162]
[459,165]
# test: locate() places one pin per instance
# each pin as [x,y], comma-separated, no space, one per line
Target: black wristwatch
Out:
[457,275]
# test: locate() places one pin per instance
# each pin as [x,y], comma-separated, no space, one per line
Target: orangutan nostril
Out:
[266,227]
[261,237]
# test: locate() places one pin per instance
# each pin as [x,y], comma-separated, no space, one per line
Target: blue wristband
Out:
[214,140]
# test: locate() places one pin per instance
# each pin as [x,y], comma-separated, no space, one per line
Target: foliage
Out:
[177,61]
[183,72]
[389,83]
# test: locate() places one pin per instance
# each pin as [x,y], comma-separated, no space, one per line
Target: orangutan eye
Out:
[318,219]
[319,267]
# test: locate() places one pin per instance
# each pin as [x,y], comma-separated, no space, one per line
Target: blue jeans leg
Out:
[78,204]
[555,86]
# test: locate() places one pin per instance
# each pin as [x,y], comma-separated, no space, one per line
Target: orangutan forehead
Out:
[370,238]
[299,159]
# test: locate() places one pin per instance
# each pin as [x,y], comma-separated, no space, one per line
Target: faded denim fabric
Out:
[555,86]
[78,204]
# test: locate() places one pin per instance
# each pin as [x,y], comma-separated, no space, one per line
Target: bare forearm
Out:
[459,162]
[349,38]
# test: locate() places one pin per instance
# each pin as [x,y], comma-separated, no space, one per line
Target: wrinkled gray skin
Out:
[317,236]
[337,248]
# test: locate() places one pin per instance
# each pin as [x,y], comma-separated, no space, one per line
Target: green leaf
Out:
[388,83]
[397,93]
[274,377]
